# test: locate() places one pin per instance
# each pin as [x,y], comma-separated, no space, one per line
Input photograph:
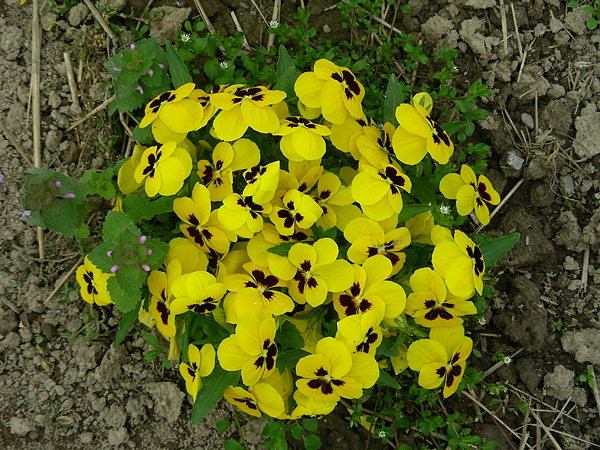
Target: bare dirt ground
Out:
[61,389]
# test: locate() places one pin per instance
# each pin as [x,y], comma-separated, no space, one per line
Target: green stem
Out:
[236,418]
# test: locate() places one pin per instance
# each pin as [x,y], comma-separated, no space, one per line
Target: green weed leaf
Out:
[127,321]
[312,442]
[289,358]
[289,336]
[212,391]
[394,97]
[410,211]
[115,224]
[179,73]
[281,249]
[494,250]
[386,380]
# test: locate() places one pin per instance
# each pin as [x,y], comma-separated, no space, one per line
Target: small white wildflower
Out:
[273,24]
[382,434]
[507,360]
[224,65]
[445,209]
[185,37]
[382,126]
[482,321]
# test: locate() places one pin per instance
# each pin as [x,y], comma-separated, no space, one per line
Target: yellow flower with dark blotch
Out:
[252,349]
[164,169]
[259,245]
[371,290]
[376,148]
[295,209]
[333,372]
[254,293]
[344,136]
[232,262]
[460,263]
[302,139]
[420,228]
[126,177]
[190,257]
[163,134]
[470,193]
[283,382]
[196,215]
[361,332]
[92,283]
[159,285]
[262,182]
[243,108]
[200,364]
[302,175]
[441,358]
[242,216]
[197,291]
[315,271]
[367,239]
[118,204]
[336,202]
[417,134]
[432,305]
[307,408]
[332,88]
[177,112]
[203,98]
[308,113]
[226,159]
[261,398]
[379,190]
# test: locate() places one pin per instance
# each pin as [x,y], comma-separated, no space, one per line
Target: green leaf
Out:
[127,321]
[212,391]
[289,358]
[151,355]
[359,65]
[452,127]
[179,73]
[573,4]
[386,380]
[393,98]
[284,62]
[297,431]
[289,336]
[124,301]
[312,442]
[494,250]
[82,232]
[151,339]
[310,424]
[591,23]
[410,211]
[286,82]
[142,135]
[140,207]
[222,425]
[100,183]
[281,249]
[424,189]
[100,259]
[489,445]
[232,445]
[115,224]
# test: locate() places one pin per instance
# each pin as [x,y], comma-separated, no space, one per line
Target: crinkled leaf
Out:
[140,207]
[115,224]
[100,259]
[159,252]
[212,391]
[386,380]
[127,321]
[122,300]
[289,336]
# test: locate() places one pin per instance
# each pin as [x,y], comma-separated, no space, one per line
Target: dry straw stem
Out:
[15,144]
[239,28]
[501,363]
[275,17]
[504,27]
[595,389]
[519,393]
[514,16]
[207,22]
[260,12]
[91,113]
[100,19]
[71,80]
[504,200]
[63,280]
[378,19]
[583,287]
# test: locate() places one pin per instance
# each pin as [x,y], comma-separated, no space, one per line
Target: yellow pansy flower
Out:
[379,190]
[432,305]
[93,283]
[332,88]
[376,148]
[243,108]
[242,216]
[345,136]
[126,177]
[197,291]
[307,408]
[361,332]
[441,358]
[302,175]
[190,257]
[260,398]
[420,228]
[336,202]
[262,182]
[159,285]
[177,112]
[460,263]
[417,134]
[400,362]
[333,372]
[295,209]
[302,139]
[252,349]
[163,170]
[200,364]
[470,193]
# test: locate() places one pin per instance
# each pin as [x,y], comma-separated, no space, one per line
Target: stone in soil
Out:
[560,383]
[583,344]
[172,19]
[587,140]
[168,399]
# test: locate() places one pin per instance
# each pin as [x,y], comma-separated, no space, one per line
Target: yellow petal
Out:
[230,125]
[450,184]
[260,118]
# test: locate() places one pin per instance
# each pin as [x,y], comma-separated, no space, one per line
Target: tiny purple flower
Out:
[150,72]
[69,195]
[116,68]
[132,46]
[146,267]
[142,239]
[114,268]
[109,253]
[140,90]
[57,184]
[2,181]
[149,252]
[161,66]
[26,213]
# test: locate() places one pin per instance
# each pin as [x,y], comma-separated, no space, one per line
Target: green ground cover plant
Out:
[294,247]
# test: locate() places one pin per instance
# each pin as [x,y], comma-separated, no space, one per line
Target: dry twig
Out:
[99,19]
[71,80]
[36,43]
[501,363]
[14,143]
[504,27]
[91,113]
[584,278]
[63,280]
[275,17]
[207,21]
[239,28]
[512,7]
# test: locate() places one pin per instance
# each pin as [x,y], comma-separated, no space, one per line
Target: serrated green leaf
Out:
[410,211]
[212,391]
[386,380]
[100,259]
[288,358]
[127,321]
[130,279]
[281,249]
[122,300]
[140,207]
[159,252]
[394,97]
[289,336]
[115,224]
[142,136]
[178,70]
[82,232]
[494,250]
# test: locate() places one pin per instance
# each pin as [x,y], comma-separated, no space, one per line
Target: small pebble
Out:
[555,25]
[527,120]
[567,185]
[514,160]
[326,29]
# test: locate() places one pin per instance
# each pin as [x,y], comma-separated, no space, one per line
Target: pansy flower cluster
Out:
[272,235]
